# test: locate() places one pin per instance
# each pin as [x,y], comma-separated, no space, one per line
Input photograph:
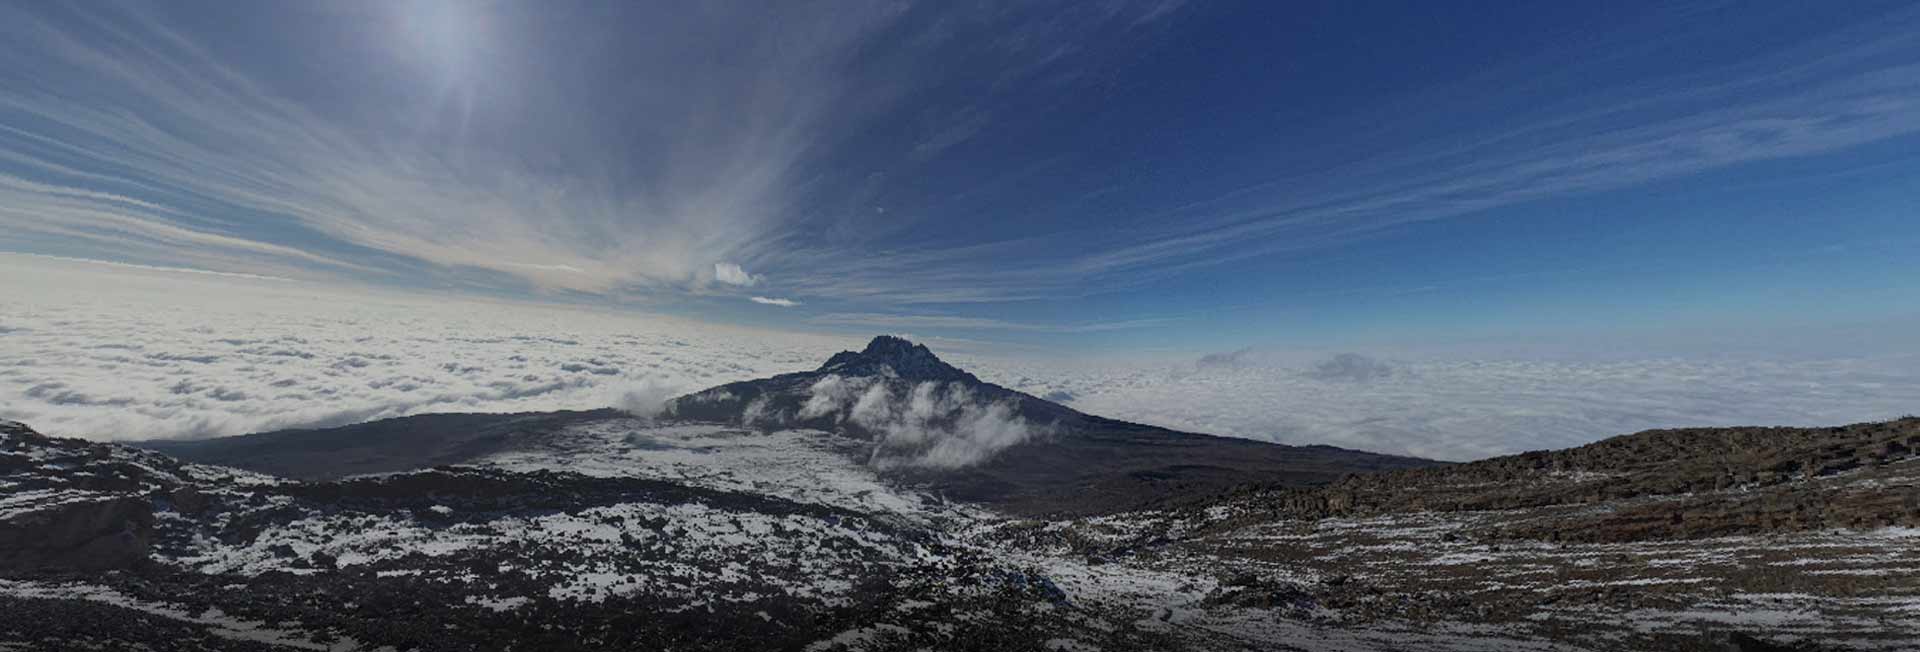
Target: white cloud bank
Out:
[1470,409]
[774,301]
[108,352]
[112,353]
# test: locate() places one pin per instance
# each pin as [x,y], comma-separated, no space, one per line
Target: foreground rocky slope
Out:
[1724,538]
[67,504]
[507,554]
[1661,484]
[627,533]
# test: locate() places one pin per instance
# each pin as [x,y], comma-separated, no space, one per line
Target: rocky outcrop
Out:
[887,355]
[1659,484]
[73,504]
[87,533]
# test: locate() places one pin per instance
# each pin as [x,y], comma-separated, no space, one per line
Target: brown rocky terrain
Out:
[1687,539]
[1712,481]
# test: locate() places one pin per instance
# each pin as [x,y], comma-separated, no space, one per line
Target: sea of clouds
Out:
[110,353]
[1471,409]
[113,354]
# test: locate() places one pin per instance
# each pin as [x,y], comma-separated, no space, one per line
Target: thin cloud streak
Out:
[151,268]
[1801,105]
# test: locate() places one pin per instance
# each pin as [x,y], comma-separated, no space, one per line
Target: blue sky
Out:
[1692,177]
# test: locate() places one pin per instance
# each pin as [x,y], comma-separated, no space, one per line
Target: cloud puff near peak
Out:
[930,424]
[775,301]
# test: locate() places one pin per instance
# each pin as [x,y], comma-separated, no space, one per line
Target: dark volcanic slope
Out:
[382,446]
[1102,465]
[1080,464]
[1072,462]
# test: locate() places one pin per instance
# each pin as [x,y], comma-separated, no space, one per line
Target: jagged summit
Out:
[14,434]
[888,355]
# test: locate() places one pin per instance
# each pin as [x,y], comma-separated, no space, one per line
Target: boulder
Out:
[188,500]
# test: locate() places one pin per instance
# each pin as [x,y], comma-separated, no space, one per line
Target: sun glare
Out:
[443,35]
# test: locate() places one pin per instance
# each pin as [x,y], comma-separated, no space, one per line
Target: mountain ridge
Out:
[1709,481]
[923,417]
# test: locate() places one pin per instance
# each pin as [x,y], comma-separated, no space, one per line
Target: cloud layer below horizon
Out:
[105,352]
[1470,409]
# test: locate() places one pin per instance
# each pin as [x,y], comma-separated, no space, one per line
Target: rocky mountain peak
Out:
[889,355]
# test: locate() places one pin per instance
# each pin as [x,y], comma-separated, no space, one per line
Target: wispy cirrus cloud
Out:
[125,135]
[202,156]
[774,301]
[1846,89]
[155,268]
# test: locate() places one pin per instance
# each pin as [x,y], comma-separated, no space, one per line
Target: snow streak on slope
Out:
[800,465]
[691,553]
